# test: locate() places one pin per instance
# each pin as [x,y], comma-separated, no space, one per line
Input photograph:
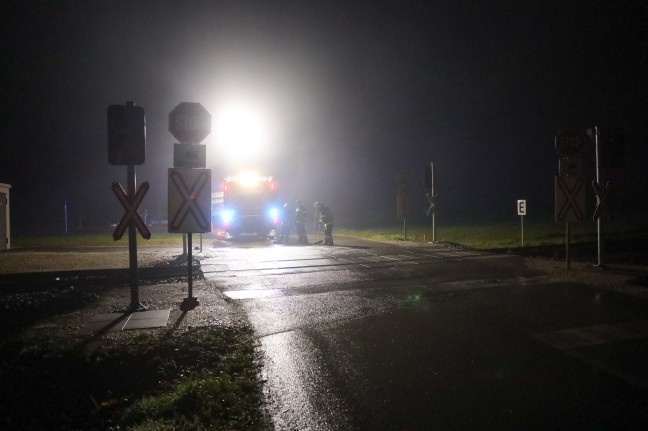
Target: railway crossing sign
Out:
[569,142]
[189,122]
[130,204]
[602,208]
[570,198]
[189,200]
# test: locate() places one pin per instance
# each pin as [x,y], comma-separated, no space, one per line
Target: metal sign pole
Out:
[189,265]
[190,302]
[522,230]
[567,240]
[65,214]
[433,197]
[599,221]
[132,243]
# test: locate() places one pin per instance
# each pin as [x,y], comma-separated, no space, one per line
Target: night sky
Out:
[355,92]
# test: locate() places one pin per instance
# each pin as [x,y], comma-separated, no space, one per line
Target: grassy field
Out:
[485,236]
[493,236]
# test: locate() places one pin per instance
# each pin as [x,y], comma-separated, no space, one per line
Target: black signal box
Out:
[126,134]
[612,149]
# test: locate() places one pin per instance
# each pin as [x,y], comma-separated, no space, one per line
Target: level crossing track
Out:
[265,262]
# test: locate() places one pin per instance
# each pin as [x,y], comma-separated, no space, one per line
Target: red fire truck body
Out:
[247,205]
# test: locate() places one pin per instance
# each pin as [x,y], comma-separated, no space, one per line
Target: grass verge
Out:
[498,236]
[202,378]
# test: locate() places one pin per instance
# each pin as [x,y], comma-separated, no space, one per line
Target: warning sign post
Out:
[189,212]
[127,146]
[189,189]
[189,200]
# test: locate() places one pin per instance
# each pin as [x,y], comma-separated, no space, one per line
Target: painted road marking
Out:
[569,340]
[592,335]
[254,293]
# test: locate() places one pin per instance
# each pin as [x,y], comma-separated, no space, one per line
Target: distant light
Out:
[249,179]
[227,216]
[242,132]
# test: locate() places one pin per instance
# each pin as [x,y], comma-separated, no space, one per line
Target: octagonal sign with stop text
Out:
[189,122]
[189,200]
[569,142]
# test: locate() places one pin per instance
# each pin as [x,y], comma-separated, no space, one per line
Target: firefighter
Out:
[325,218]
[285,224]
[300,223]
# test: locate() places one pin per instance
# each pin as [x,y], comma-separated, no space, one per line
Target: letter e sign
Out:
[521,207]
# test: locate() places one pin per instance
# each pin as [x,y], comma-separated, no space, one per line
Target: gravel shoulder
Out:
[14,262]
[91,297]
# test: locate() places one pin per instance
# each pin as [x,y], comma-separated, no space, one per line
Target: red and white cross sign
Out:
[570,198]
[130,204]
[189,200]
[602,208]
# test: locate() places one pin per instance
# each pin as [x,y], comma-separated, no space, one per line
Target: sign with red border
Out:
[189,200]
[130,204]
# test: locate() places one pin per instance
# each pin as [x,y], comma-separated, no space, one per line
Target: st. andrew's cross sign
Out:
[189,200]
[130,204]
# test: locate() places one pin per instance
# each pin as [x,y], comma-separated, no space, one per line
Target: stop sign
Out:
[189,123]
[569,142]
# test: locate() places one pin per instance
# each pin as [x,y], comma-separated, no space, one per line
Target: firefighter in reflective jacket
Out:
[325,218]
[300,223]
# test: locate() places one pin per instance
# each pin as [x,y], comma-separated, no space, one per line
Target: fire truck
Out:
[246,205]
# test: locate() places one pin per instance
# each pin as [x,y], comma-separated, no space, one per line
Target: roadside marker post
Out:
[522,210]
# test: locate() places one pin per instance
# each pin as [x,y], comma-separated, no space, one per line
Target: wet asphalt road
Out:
[369,336]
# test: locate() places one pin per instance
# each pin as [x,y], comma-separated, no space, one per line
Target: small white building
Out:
[5,219]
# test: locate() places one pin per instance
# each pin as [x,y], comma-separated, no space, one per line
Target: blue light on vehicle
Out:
[227,216]
[273,213]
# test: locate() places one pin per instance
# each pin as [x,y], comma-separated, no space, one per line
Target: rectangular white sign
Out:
[521,207]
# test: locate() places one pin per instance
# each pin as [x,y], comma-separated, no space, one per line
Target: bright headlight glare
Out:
[249,179]
[227,216]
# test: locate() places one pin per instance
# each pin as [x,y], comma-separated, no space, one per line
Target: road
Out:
[374,336]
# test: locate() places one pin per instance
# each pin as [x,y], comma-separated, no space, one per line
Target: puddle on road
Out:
[254,293]
[299,391]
